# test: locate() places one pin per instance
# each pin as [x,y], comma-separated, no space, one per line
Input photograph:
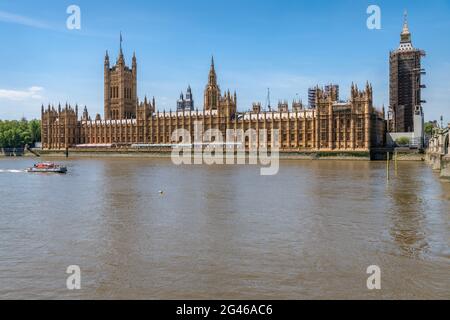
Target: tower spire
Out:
[107,59]
[121,40]
[406,34]
[212,91]
[212,73]
[405,18]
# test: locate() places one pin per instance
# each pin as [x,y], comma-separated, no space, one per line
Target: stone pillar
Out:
[352,132]
[338,131]
[66,130]
[367,129]
[345,133]
[288,131]
[157,128]
[330,127]
[164,128]
[316,124]
[305,131]
[297,131]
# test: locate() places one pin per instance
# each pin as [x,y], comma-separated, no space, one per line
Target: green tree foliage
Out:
[403,141]
[429,128]
[17,134]
[35,130]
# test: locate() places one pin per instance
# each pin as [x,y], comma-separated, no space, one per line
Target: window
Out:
[360,124]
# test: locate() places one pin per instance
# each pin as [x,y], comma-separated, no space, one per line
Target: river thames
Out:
[223,232]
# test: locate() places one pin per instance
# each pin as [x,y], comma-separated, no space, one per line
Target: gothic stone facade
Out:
[331,126]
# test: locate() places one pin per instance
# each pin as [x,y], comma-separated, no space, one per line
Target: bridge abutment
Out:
[445,167]
[438,155]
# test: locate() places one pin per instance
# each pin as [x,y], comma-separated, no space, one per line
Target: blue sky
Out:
[285,45]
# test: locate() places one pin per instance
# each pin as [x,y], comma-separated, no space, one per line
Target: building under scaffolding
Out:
[405,84]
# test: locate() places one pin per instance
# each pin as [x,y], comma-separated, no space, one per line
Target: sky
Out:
[286,46]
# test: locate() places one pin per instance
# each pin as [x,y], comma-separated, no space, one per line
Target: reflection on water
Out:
[223,231]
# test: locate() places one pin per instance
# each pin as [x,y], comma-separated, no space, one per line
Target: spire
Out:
[405,22]
[120,58]
[212,74]
[121,40]
[134,62]
[406,34]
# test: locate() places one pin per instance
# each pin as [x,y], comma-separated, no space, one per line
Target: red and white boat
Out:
[47,167]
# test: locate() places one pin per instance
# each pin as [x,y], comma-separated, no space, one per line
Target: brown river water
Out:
[223,232]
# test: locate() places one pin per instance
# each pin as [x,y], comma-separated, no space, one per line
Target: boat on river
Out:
[47,167]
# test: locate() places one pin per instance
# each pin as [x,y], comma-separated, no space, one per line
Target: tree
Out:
[403,141]
[17,134]
[429,126]
[35,130]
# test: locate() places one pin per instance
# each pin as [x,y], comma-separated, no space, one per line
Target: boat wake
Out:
[12,171]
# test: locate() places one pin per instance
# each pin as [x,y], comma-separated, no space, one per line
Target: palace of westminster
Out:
[328,125]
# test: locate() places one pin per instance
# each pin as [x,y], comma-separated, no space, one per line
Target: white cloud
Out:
[32,93]
[22,20]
